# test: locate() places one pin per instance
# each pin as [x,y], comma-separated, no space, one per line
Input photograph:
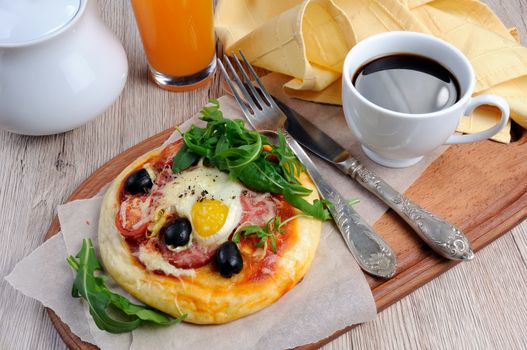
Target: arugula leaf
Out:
[90,285]
[183,159]
[232,148]
[143,313]
[287,159]
[317,209]
[265,176]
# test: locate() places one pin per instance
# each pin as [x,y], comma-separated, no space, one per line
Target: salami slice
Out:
[164,160]
[258,208]
[195,256]
[164,176]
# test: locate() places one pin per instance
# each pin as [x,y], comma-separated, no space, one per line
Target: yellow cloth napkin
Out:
[308,40]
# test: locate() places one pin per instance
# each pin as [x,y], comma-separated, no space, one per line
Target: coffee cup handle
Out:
[474,103]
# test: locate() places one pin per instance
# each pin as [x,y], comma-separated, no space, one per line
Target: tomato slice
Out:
[132,215]
[129,233]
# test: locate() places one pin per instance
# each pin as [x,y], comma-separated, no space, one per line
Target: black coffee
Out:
[407,83]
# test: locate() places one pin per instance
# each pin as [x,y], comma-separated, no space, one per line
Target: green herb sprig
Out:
[232,148]
[110,311]
[266,233]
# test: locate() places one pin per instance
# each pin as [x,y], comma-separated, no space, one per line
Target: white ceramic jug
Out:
[59,65]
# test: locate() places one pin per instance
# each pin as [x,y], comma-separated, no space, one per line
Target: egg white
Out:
[180,195]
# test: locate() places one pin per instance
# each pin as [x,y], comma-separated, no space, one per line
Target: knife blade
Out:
[311,137]
[443,237]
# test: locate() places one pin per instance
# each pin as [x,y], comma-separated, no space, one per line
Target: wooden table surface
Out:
[476,305]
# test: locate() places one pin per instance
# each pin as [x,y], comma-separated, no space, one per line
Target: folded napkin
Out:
[308,41]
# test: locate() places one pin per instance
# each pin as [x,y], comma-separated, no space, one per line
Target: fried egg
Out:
[208,199]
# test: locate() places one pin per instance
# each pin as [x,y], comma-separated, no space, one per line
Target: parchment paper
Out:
[334,293]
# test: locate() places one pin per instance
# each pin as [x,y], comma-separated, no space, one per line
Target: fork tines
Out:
[253,100]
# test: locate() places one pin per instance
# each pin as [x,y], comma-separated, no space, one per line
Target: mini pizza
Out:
[200,243]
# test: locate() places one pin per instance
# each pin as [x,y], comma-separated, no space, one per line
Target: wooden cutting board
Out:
[479,187]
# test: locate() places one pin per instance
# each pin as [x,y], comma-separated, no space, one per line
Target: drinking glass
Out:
[178,39]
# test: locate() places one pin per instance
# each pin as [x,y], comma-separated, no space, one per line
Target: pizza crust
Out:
[205,297]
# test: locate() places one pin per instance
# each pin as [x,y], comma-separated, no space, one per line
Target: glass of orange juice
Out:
[178,38]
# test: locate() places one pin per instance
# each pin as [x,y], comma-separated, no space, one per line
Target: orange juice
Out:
[177,35]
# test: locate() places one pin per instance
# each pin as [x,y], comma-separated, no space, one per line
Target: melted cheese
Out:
[144,206]
[154,261]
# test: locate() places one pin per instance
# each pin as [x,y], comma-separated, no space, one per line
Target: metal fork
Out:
[371,252]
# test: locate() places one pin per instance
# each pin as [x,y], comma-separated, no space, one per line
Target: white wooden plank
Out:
[477,305]
[519,233]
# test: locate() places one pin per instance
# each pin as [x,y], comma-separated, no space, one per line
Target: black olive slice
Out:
[177,232]
[138,182]
[228,259]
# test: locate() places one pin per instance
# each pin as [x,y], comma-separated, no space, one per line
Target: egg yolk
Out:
[208,216]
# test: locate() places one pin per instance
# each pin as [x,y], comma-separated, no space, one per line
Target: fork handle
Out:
[371,252]
[439,234]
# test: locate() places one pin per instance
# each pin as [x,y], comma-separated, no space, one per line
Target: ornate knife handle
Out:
[440,235]
[368,248]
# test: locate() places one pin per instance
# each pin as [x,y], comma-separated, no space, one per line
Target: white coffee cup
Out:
[397,139]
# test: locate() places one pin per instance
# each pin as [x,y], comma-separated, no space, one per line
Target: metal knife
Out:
[370,251]
[440,235]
